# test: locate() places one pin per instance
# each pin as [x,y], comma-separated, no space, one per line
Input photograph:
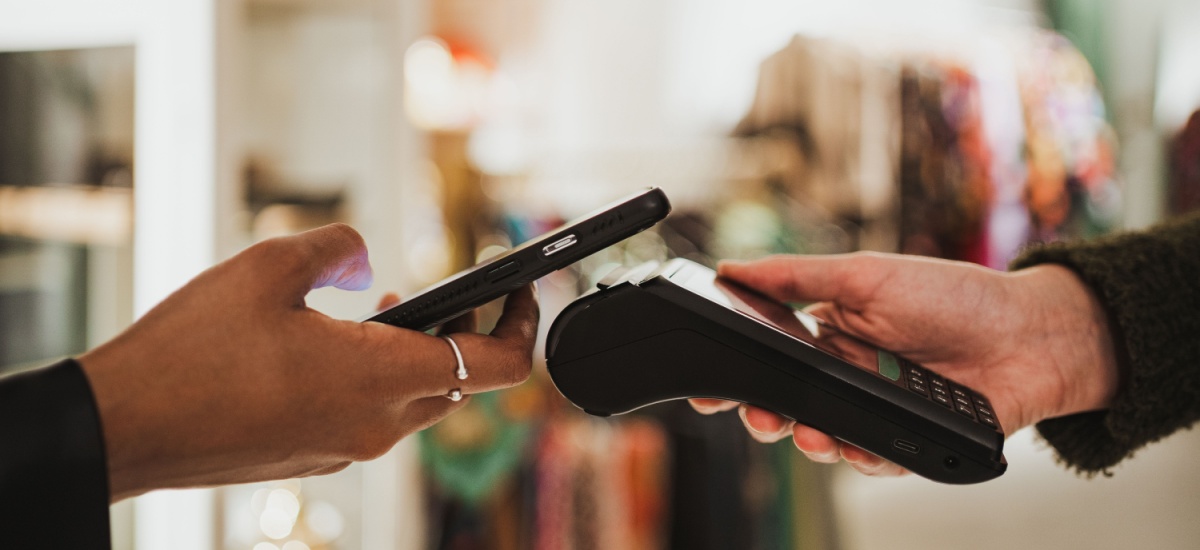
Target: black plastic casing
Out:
[478,285]
[639,342]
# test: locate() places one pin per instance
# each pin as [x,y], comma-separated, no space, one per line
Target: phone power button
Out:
[559,245]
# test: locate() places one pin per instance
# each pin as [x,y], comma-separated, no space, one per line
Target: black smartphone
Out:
[673,331]
[569,243]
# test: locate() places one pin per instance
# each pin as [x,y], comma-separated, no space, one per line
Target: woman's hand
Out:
[1035,342]
[234,379]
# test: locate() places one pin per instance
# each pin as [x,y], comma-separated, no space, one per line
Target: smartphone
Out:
[569,243]
[659,332]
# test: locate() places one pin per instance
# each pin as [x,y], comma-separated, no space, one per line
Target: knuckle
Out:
[336,468]
[279,254]
[370,446]
[865,260]
[347,233]
[535,312]
[429,417]
[516,366]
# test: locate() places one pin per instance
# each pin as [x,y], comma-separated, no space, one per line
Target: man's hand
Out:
[1035,342]
[234,379]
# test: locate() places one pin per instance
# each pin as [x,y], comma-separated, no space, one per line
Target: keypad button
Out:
[946,393]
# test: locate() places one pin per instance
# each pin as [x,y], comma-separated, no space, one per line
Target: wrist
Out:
[116,421]
[1076,339]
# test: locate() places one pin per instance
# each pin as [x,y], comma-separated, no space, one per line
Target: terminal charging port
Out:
[906,446]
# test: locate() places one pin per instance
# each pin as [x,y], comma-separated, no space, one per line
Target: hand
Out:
[233,379]
[1035,341]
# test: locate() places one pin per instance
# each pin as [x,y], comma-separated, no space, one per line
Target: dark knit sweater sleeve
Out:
[1149,283]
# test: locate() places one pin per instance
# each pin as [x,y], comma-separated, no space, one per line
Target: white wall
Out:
[1178,86]
[176,166]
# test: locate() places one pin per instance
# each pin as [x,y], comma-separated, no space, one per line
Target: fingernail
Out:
[742,413]
[703,409]
[825,458]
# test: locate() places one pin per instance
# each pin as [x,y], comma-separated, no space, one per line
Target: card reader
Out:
[672,331]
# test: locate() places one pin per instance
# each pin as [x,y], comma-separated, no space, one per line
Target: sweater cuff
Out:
[1147,282]
[53,473]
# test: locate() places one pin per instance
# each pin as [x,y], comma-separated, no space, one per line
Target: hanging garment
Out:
[837,109]
[944,186]
[1070,148]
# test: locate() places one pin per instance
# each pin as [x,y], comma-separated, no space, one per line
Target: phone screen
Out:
[804,327]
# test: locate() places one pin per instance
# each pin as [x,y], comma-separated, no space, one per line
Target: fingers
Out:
[764,426]
[868,463]
[500,360]
[423,413]
[519,320]
[819,447]
[767,427]
[326,470]
[414,416]
[806,278]
[339,257]
[467,322]
[816,445]
[389,300]
[712,406]
[333,255]
[504,358]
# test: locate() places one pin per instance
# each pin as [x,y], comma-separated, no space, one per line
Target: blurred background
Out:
[141,141]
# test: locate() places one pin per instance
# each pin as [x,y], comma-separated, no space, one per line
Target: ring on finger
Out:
[461,371]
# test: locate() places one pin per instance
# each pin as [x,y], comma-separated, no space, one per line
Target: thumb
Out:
[835,278]
[333,255]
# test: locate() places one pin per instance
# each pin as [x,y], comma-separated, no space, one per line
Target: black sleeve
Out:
[53,476]
[1149,283]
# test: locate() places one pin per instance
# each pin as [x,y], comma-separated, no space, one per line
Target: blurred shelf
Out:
[75,214]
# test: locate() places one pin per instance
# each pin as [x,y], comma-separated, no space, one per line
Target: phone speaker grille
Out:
[404,317]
